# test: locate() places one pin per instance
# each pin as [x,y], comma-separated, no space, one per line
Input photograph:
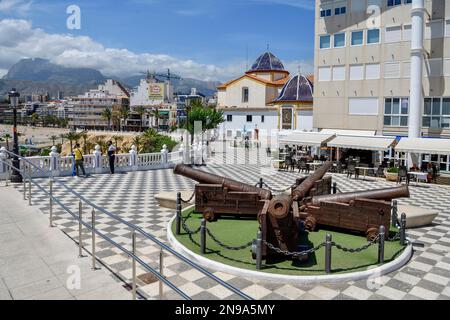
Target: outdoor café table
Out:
[365,170]
[423,176]
[316,164]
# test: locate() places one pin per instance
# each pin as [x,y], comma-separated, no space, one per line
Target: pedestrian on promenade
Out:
[79,159]
[111,156]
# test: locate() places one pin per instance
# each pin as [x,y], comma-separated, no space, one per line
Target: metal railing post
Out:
[328,247]
[394,214]
[29,192]
[24,189]
[133,262]
[51,203]
[334,187]
[93,239]
[403,229]
[259,250]
[80,229]
[178,218]
[381,244]
[261,182]
[203,236]
[161,272]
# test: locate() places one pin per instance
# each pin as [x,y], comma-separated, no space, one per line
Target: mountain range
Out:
[37,75]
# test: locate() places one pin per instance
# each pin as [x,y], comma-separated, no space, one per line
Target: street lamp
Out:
[16,177]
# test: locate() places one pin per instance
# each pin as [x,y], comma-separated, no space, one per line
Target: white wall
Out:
[270,123]
[305,120]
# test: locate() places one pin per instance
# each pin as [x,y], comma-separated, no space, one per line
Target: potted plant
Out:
[391,174]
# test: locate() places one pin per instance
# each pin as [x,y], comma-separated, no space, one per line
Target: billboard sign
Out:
[156,91]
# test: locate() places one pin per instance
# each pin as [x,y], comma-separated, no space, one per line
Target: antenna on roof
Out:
[268,47]
[246,66]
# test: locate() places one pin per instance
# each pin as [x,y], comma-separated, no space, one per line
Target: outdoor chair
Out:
[403,175]
[351,170]
[303,166]
[268,152]
[339,168]
[380,172]
[289,163]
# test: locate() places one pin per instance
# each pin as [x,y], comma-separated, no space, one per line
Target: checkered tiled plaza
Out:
[131,196]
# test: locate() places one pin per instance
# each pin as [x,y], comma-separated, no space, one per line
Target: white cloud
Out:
[15,6]
[18,39]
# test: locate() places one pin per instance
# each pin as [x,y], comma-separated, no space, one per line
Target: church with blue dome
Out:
[265,100]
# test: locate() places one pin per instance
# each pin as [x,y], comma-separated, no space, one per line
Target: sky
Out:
[203,39]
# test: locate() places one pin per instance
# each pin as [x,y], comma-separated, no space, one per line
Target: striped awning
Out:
[375,143]
[424,145]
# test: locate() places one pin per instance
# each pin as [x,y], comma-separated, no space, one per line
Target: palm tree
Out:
[34,119]
[124,114]
[107,115]
[84,135]
[53,138]
[156,114]
[117,139]
[140,111]
[72,136]
[62,136]
[137,141]
[6,138]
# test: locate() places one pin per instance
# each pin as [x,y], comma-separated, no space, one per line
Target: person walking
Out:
[79,160]
[111,156]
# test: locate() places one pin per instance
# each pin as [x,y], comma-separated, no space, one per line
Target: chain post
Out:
[261,182]
[394,213]
[328,247]
[24,189]
[403,229]
[178,218]
[133,262]
[259,243]
[203,236]
[51,203]
[382,234]
[93,239]
[161,272]
[80,229]
[334,187]
[29,192]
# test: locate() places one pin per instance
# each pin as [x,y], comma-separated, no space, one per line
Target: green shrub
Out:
[393,170]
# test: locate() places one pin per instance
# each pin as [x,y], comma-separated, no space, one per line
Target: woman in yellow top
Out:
[79,160]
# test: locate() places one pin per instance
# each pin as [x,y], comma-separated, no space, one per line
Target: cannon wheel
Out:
[372,234]
[310,223]
[209,215]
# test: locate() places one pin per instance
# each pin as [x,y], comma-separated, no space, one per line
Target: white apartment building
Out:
[384,66]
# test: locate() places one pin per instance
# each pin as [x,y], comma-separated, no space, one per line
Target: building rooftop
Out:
[267,62]
[298,89]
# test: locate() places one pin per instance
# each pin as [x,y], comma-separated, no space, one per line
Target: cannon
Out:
[216,196]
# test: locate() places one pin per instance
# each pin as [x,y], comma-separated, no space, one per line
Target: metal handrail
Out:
[135,228]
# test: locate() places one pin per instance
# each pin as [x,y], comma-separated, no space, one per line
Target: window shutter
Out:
[407,32]
[447,67]
[338,73]
[373,71]
[393,34]
[324,74]
[356,72]
[391,70]
[363,106]
[406,69]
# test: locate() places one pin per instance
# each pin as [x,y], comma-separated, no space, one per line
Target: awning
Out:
[306,139]
[364,133]
[429,146]
[376,143]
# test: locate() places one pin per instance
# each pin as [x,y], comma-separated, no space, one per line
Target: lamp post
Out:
[16,177]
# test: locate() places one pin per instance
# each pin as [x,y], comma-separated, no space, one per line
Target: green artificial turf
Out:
[237,232]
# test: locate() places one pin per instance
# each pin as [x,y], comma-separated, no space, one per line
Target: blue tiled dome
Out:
[267,62]
[299,88]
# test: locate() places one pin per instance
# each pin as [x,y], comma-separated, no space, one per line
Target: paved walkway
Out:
[41,263]
[131,196]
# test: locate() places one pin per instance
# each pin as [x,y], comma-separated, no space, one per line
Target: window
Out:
[339,40]
[407,32]
[356,72]
[325,13]
[396,112]
[245,94]
[338,73]
[324,74]
[373,71]
[229,118]
[406,69]
[363,106]
[436,113]
[446,67]
[447,28]
[393,34]
[357,38]
[325,42]
[392,3]
[373,36]
[339,11]
[392,70]
[249,118]
[262,118]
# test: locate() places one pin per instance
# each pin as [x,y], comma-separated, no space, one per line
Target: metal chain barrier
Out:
[293,254]
[190,199]
[279,191]
[221,244]
[186,228]
[357,250]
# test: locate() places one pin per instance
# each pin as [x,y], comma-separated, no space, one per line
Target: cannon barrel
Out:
[380,194]
[209,178]
[302,190]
